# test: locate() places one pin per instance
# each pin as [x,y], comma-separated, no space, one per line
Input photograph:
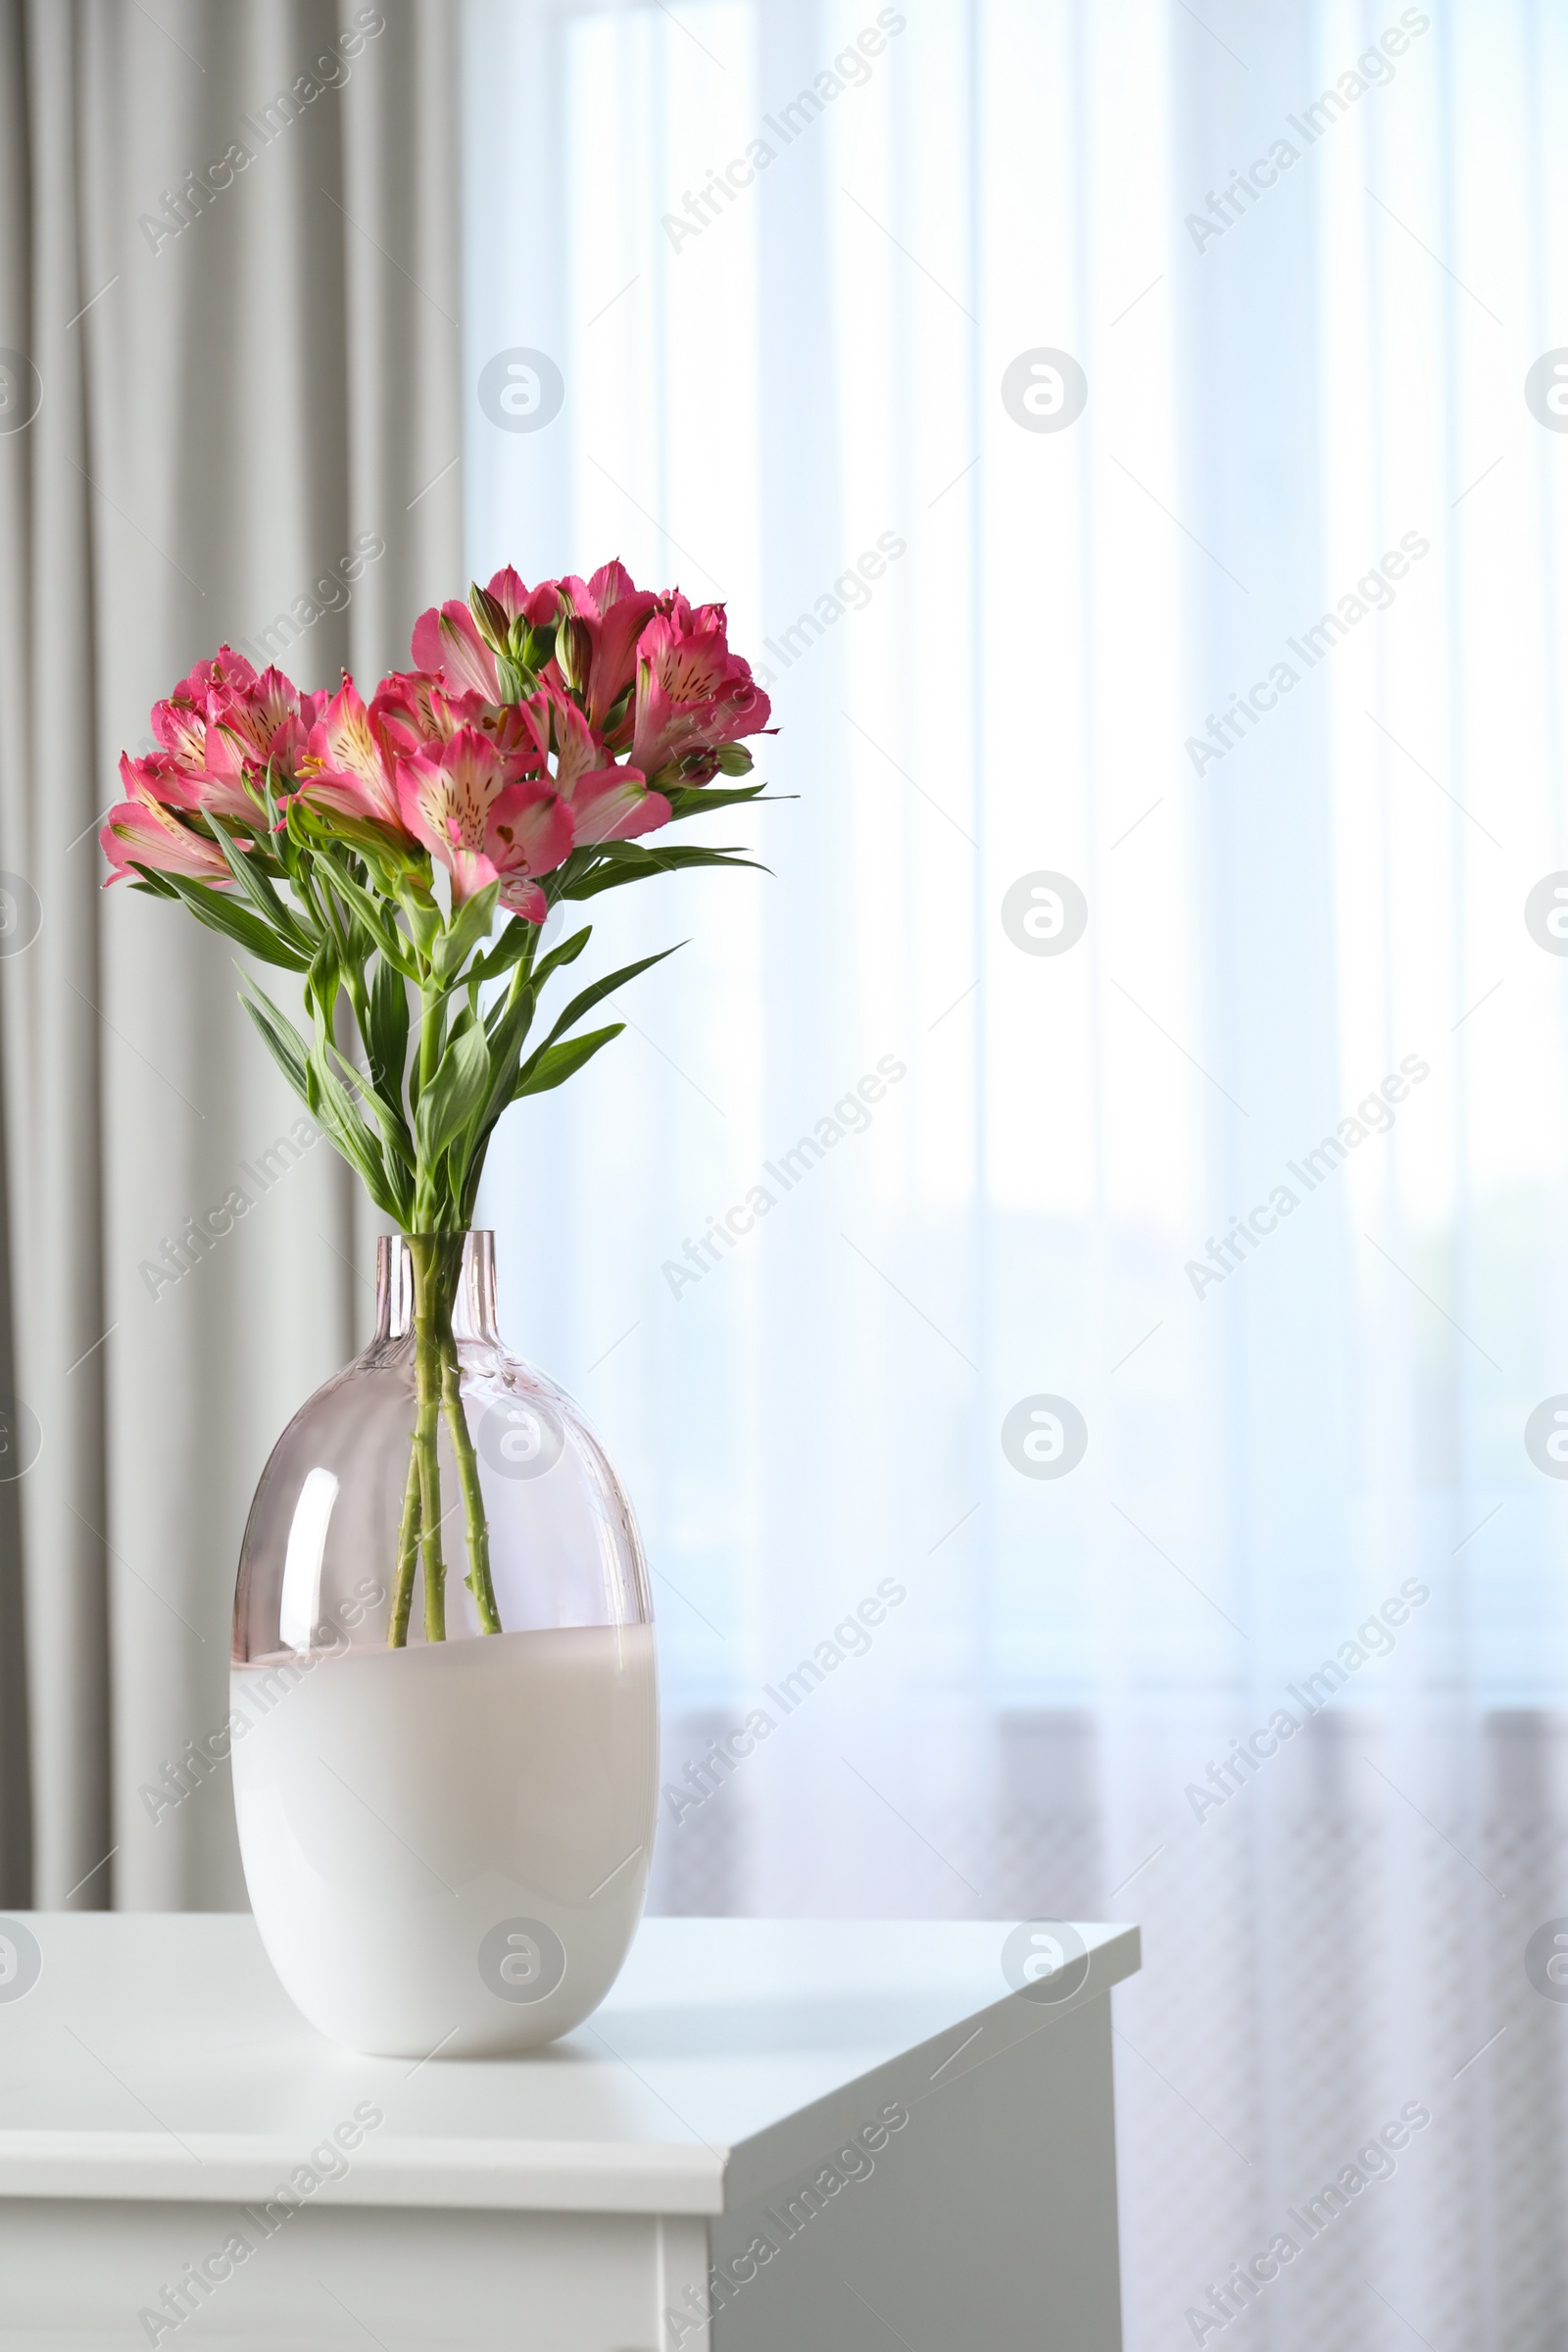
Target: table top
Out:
[157,2057]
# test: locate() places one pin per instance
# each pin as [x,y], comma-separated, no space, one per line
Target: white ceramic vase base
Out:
[447,1847]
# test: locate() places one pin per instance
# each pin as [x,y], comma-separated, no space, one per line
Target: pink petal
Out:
[288,745]
[158,781]
[410,712]
[232,670]
[139,831]
[508,592]
[448,641]
[345,752]
[445,799]
[612,804]
[613,582]
[531,828]
[523,898]
[181,726]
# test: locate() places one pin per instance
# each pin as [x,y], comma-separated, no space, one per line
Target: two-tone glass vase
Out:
[445,1735]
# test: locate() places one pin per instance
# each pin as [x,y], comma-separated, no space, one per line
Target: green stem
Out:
[478,1579]
[408,1556]
[432,1327]
[431,1001]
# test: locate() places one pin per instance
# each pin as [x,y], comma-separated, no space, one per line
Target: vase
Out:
[444,1721]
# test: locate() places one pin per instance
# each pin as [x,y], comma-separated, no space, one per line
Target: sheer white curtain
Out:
[1303,845]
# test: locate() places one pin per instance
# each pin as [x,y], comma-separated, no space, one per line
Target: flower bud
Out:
[574,649]
[734,759]
[490,617]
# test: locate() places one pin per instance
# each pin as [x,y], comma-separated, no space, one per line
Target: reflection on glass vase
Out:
[444,1669]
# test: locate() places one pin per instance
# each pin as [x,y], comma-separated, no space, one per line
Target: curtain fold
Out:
[229,252]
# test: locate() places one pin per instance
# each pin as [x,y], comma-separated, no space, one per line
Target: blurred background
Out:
[1128,441]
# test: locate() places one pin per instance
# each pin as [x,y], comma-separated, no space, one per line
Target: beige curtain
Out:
[230,407]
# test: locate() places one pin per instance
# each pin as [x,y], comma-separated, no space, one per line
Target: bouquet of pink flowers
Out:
[541,736]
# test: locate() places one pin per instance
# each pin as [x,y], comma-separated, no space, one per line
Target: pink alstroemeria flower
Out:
[143,832]
[537,604]
[181,726]
[349,765]
[484,821]
[248,729]
[612,611]
[412,712]
[692,694]
[291,742]
[161,780]
[227,671]
[219,728]
[608,803]
[448,646]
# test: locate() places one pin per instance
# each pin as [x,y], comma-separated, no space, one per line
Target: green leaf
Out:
[456,1094]
[386,1046]
[534,643]
[282,841]
[702,799]
[502,1019]
[620,868]
[519,938]
[552,1065]
[505,1033]
[666,857]
[388,1117]
[263,895]
[232,921]
[322,982]
[331,1102]
[327,1100]
[388,1042]
[599,988]
[374,913]
[315,829]
[567,953]
[422,915]
[514,683]
[280,1037]
[468,928]
[432,1035]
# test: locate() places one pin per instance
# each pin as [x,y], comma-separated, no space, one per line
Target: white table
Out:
[155,2089]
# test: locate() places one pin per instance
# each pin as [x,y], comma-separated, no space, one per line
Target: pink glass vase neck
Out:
[473,1307]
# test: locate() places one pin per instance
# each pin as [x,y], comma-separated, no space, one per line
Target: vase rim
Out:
[455,1233]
